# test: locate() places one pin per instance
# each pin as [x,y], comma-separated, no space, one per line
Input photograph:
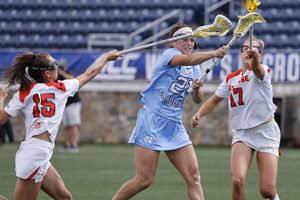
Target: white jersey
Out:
[250,100]
[43,106]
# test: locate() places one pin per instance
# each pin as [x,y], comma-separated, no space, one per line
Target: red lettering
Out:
[247,78]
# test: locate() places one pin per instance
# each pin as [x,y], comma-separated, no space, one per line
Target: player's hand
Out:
[4,92]
[195,119]
[196,85]
[112,55]
[221,52]
[252,53]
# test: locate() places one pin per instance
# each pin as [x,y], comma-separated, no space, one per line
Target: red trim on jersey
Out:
[59,85]
[269,70]
[33,174]
[24,93]
[233,74]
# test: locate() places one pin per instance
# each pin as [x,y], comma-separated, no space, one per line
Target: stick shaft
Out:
[155,44]
[212,65]
[251,37]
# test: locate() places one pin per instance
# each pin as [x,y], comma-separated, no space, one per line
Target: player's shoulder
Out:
[233,74]
[171,51]
[267,68]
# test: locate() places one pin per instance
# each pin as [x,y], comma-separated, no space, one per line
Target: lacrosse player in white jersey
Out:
[42,100]
[251,107]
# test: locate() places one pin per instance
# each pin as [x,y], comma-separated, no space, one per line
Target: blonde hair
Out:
[259,41]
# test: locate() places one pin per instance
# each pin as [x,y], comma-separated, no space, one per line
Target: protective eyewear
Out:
[184,39]
[53,66]
[246,47]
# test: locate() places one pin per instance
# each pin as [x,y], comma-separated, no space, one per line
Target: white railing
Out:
[124,41]
[209,7]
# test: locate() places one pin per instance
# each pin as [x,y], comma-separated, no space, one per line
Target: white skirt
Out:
[33,159]
[262,138]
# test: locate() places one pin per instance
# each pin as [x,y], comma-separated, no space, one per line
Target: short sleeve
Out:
[168,55]
[14,105]
[72,86]
[267,74]
[223,91]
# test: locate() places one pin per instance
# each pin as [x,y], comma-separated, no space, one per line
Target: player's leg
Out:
[267,165]
[2,198]
[54,186]
[185,161]
[145,163]
[72,121]
[72,133]
[241,157]
[26,189]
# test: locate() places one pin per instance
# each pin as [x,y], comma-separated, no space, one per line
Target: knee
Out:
[267,191]
[144,181]
[66,196]
[238,182]
[194,177]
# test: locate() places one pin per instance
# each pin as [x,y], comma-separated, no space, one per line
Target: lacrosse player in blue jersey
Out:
[159,125]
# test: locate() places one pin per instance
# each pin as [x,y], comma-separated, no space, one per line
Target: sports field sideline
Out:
[97,172]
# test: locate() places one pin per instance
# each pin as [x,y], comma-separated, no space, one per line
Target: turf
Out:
[97,172]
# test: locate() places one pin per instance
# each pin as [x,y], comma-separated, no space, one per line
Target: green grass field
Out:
[97,172]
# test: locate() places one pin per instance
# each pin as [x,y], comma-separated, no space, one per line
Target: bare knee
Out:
[144,181]
[267,191]
[65,196]
[238,183]
[194,177]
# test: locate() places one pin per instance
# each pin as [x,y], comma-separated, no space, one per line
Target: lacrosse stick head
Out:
[220,27]
[252,5]
[245,23]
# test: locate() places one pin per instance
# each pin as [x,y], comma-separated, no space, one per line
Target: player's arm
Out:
[197,94]
[196,58]
[206,108]
[4,92]
[93,70]
[256,67]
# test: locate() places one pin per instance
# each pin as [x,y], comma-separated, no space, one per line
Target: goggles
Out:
[184,39]
[246,47]
[53,66]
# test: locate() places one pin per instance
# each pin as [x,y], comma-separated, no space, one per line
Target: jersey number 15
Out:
[47,107]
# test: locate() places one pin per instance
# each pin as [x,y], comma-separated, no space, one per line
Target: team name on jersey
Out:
[243,79]
[170,100]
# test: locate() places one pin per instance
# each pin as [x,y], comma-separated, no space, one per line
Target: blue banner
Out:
[285,67]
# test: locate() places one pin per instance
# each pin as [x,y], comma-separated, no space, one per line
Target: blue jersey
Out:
[169,87]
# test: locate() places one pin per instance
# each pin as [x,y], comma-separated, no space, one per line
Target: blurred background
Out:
[80,31]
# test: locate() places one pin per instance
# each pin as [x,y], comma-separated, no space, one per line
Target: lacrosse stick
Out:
[220,27]
[251,7]
[243,26]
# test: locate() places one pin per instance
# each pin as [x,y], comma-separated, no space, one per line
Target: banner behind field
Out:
[285,67]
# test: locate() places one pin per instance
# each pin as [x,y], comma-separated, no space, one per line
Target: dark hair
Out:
[17,73]
[176,27]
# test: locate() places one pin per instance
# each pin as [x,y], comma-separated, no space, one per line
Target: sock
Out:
[276,197]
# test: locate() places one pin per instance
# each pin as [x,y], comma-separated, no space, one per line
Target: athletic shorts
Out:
[33,159]
[262,138]
[156,132]
[71,115]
